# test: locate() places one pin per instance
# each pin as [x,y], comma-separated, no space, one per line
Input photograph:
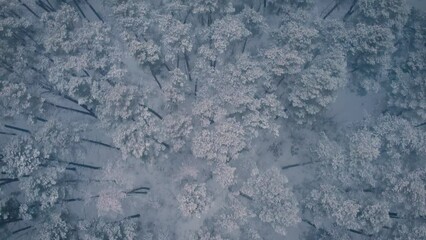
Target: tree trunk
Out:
[21,230]
[17,128]
[100,143]
[70,109]
[155,78]
[246,196]
[81,105]
[29,9]
[298,164]
[350,11]
[84,165]
[80,10]
[167,66]
[73,200]
[187,66]
[133,216]
[7,133]
[196,87]
[332,9]
[139,190]
[244,45]
[152,111]
[421,124]
[186,17]
[6,221]
[51,6]
[94,11]
[4,181]
[44,6]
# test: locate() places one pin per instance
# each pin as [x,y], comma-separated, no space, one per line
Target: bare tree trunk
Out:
[80,10]
[21,230]
[298,164]
[29,9]
[167,66]
[246,196]
[84,165]
[81,105]
[4,222]
[100,143]
[94,11]
[186,17]
[17,128]
[152,111]
[73,200]
[187,66]
[332,9]
[196,87]
[155,78]
[70,109]
[177,61]
[44,6]
[209,19]
[139,190]
[350,11]
[244,45]
[4,181]
[133,216]
[51,6]
[421,124]
[7,133]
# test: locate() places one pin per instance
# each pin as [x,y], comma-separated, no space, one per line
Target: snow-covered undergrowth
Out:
[212,119]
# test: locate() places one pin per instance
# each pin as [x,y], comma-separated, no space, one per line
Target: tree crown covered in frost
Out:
[160,120]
